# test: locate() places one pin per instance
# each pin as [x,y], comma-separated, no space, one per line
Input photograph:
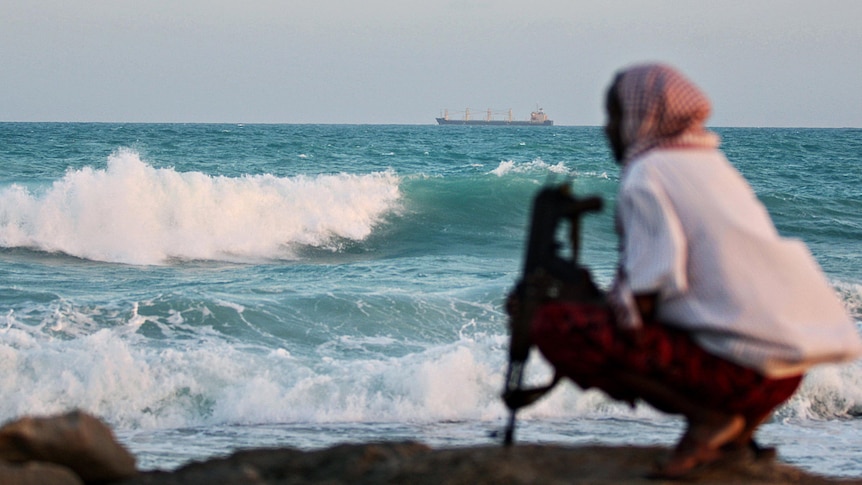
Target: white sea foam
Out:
[199,377]
[851,295]
[507,167]
[131,212]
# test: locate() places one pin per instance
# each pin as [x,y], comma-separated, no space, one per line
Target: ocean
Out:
[209,287]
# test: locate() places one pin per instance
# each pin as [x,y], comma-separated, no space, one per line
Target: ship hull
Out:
[444,121]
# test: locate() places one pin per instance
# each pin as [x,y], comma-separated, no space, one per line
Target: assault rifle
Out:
[547,275]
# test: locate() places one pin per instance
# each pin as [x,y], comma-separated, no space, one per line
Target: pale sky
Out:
[762,62]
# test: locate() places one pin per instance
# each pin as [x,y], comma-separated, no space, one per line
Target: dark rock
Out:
[417,464]
[37,473]
[76,440]
[75,448]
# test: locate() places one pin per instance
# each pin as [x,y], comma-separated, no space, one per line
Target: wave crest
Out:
[134,213]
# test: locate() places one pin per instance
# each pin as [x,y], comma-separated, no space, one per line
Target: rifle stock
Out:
[546,275]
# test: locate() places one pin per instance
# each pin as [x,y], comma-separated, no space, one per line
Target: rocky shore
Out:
[416,464]
[76,448]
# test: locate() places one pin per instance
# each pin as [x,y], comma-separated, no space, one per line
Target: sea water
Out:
[206,288]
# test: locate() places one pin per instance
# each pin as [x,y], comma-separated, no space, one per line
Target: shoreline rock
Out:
[417,464]
[76,448]
[46,446]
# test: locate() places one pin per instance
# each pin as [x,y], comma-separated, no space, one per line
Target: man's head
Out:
[653,105]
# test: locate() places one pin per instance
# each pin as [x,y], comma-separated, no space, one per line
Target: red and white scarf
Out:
[661,108]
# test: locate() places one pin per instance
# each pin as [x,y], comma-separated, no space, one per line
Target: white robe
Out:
[695,233]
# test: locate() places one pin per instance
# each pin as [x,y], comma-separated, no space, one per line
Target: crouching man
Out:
[712,314]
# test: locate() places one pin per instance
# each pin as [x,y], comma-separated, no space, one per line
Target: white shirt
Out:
[695,233]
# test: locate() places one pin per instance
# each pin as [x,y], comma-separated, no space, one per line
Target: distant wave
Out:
[538,165]
[507,167]
[134,213]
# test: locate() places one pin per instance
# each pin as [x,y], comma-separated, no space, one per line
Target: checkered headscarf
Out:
[661,108]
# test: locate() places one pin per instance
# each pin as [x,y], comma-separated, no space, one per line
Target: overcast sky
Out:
[763,62]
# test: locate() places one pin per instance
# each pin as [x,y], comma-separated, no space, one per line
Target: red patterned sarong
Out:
[583,343]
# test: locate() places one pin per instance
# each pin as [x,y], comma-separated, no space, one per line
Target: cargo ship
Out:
[537,118]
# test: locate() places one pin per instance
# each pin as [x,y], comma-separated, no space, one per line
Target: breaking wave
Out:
[133,213]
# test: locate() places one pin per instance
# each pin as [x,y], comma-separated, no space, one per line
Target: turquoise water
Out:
[204,288]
